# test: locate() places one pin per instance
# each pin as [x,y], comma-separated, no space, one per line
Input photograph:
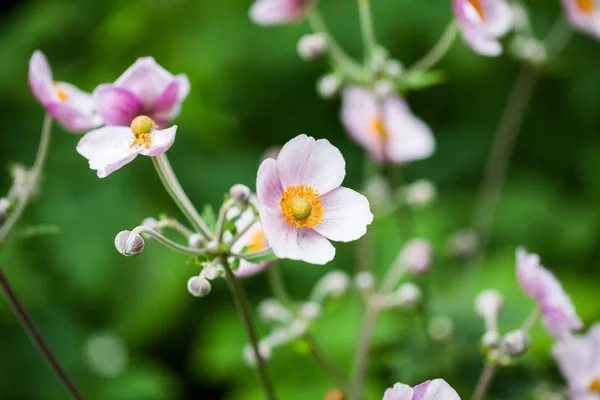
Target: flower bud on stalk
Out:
[196,240]
[364,281]
[393,68]
[4,207]
[198,286]
[151,223]
[408,295]
[312,46]
[490,340]
[240,194]
[310,310]
[329,85]
[488,304]
[417,256]
[129,244]
[515,343]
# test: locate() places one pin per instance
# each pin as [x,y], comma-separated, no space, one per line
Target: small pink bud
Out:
[240,194]
[417,256]
[490,340]
[329,85]
[488,303]
[196,240]
[129,244]
[198,286]
[515,343]
[312,46]
[408,294]
[364,281]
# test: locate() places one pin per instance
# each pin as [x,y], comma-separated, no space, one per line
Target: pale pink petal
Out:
[275,12]
[586,21]
[346,214]
[316,163]
[183,83]
[437,389]
[482,42]
[71,118]
[108,149]
[40,79]
[168,99]
[498,16]
[146,79]
[117,106]
[399,391]
[268,185]
[162,140]
[247,268]
[409,138]
[528,266]
[360,111]
[474,29]
[314,248]
[281,236]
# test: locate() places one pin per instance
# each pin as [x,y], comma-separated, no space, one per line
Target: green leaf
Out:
[255,258]
[420,80]
[235,264]
[209,217]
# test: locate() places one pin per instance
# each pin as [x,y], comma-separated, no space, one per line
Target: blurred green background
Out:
[251,91]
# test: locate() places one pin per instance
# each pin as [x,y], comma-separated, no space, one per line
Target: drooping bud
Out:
[196,240]
[129,244]
[4,207]
[408,294]
[488,304]
[312,46]
[329,85]
[440,328]
[240,194]
[490,340]
[417,256]
[515,343]
[198,286]
[335,394]
[383,88]
[212,271]
[364,281]
[393,68]
[419,193]
[310,310]
[333,284]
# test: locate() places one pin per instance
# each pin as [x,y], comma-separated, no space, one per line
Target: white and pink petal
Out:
[346,215]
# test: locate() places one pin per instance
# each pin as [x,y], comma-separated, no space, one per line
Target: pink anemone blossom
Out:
[302,205]
[111,147]
[145,88]
[578,358]
[253,239]
[558,312]
[386,128]
[72,108]
[437,389]
[584,15]
[482,23]
[277,12]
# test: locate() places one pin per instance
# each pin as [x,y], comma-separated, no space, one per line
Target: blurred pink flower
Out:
[145,88]
[578,358]
[437,389]
[302,205]
[111,147]
[482,23]
[72,108]
[584,15]
[558,312]
[387,129]
[277,12]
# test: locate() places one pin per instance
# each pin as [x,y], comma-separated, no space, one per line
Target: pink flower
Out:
[253,239]
[559,315]
[386,129]
[111,147]
[277,12]
[578,358]
[584,15]
[145,88]
[437,389]
[482,23]
[302,205]
[72,108]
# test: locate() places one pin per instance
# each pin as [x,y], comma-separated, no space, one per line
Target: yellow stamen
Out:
[587,6]
[595,385]
[478,7]
[62,96]
[379,129]
[142,126]
[258,241]
[301,206]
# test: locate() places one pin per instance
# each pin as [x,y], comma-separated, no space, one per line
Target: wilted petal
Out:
[162,140]
[399,391]
[40,79]
[108,149]
[316,163]
[275,12]
[346,214]
[437,389]
[117,106]
[314,247]
[146,79]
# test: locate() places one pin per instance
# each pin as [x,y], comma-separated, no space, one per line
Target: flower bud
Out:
[379,60]
[196,240]
[520,17]
[529,49]
[440,328]
[419,193]
[329,85]
[488,304]
[335,394]
[312,46]
[4,207]
[198,286]
[211,271]
[336,283]
[263,349]
[393,68]
[240,194]
[463,243]
[273,310]
[364,281]
[417,256]
[129,244]
[408,294]
[310,310]
[490,340]
[151,223]
[515,343]
[383,88]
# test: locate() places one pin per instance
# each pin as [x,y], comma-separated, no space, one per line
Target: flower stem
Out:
[37,338]
[241,301]
[361,357]
[168,242]
[366,28]
[324,362]
[277,285]
[439,50]
[531,320]
[484,381]
[31,181]
[173,187]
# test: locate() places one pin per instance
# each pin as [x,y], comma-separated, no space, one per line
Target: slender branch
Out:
[324,362]
[37,338]
[277,285]
[173,187]
[31,180]
[484,381]
[361,358]
[251,254]
[241,301]
[531,320]
[366,28]
[190,251]
[439,50]
[221,220]
[176,225]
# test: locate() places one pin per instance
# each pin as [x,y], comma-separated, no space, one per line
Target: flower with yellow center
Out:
[379,130]
[301,206]
[258,241]
[478,7]
[587,6]
[595,385]
[142,126]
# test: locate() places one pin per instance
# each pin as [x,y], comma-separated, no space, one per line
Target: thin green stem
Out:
[531,320]
[361,357]
[439,50]
[175,225]
[221,220]
[277,285]
[324,362]
[366,28]
[173,187]
[31,180]
[190,251]
[484,381]
[241,301]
